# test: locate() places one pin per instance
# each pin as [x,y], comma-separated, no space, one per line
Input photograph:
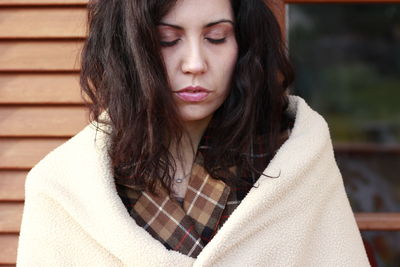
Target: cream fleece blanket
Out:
[74,217]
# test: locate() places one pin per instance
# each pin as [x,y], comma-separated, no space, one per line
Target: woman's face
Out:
[199,50]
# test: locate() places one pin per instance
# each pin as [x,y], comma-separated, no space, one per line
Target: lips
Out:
[193,94]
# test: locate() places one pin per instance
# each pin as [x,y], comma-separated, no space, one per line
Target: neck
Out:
[193,131]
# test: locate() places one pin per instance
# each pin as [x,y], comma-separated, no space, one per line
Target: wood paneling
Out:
[12,185]
[278,8]
[42,22]
[42,121]
[366,148]
[42,2]
[24,153]
[42,88]
[8,248]
[40,45]
[40,55]
[10,217]
[378,221]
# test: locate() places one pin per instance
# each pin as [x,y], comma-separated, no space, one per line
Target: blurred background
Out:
[347,59]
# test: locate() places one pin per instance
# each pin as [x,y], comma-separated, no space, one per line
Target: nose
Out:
[194,61]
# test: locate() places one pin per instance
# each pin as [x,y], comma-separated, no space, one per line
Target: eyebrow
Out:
[205,26]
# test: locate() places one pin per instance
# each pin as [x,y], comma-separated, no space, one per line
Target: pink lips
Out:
[193,94]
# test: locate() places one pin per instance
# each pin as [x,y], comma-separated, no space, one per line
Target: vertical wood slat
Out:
[278,8]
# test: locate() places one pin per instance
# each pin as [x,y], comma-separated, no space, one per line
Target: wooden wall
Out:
[40,102]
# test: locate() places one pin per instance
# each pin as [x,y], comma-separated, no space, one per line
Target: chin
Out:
[197,113]
[193,117]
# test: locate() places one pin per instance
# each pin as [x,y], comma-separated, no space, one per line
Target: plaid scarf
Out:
[207,205]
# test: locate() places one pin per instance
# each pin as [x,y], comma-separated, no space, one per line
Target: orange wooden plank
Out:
[8,248]
[378,221]
[42,121]
[278,8]
[43,88]
[43,22]
[40,55]
[366,148]
[10,217]
[42,2]
[12,185]
[24,153]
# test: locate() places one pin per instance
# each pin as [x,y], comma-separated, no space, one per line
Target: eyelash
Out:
[216,41]
[213,41]
[168,44]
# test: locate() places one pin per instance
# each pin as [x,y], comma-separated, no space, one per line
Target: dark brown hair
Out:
[122,72]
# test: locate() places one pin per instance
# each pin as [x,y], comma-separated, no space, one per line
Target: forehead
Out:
[198,12]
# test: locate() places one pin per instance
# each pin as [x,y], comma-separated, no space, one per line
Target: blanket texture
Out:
[73,215]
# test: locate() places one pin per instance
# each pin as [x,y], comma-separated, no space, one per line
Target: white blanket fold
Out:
[73,215]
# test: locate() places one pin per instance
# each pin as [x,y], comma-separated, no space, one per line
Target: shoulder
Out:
[299,109]
[300,120]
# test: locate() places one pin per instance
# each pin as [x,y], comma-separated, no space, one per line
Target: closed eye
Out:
[168,44]
[211,40]
[216,41]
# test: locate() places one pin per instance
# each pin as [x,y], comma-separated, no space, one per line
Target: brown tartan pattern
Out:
[207,205]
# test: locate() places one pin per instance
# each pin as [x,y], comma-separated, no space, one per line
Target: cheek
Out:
[169,61]
[227,61]
[232,56]
[230,63]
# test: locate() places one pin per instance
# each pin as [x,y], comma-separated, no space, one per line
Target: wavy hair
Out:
[122,72]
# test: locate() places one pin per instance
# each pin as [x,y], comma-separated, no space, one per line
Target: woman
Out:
[196,155]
